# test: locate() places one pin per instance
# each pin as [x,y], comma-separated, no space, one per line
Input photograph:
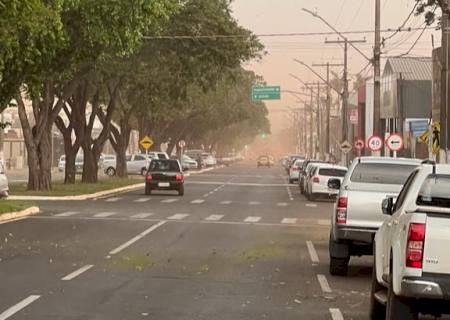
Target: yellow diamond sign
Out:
[146,142]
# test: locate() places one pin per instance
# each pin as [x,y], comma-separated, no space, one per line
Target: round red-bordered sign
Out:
[394,142]
[359,144]
[375,143]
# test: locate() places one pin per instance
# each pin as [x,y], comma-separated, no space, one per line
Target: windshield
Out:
[435,192]
[165,166]
[382,173]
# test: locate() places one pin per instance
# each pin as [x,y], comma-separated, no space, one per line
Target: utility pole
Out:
[377,72]
[328,115]
[311,119]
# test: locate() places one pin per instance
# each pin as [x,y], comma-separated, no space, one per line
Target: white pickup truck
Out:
[412,248]
[357,213]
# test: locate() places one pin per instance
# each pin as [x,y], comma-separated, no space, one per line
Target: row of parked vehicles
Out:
[397,210]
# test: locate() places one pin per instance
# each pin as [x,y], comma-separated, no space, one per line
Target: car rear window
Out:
[165,166]
[382,173]
[332,172]
[299,163]
[435,192]
[161,156]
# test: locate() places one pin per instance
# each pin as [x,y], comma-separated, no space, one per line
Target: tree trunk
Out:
[70,149]
[70,170]
[90,166]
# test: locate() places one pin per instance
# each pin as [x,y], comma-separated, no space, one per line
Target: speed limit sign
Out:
[375,143]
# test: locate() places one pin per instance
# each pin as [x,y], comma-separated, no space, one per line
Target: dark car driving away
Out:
[164,175]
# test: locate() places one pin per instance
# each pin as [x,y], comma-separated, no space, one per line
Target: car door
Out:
[139,163]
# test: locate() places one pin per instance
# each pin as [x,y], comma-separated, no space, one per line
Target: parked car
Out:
[303,172]
[4,185]
[294,170]
[62,163]
[357,213]
[321,173]
[188,163]
[79,163]
[209,159]
[411,273]
[136,164]
[164,175]
[157,155]
[291,161]
[263,161]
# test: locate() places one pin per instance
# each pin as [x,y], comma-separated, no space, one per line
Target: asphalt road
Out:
[241,244]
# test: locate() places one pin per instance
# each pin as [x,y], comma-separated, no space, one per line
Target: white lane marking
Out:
[178,216]
[323,283]
[289,221]
[104,214]
[241,184]
[312,252]
[141,215]
[254,203]
[225,202]
[198,201]
[282,204]
[324,222]
[311,205]
[76,273]
[67,214]
[13,220]
[288,188]
[169,200]
[115,199]
[252,219]
[336,314]
[16,308]
[137,238]
[214,217]
[141,200]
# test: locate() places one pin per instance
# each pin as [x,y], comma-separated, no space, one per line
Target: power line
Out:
[402,25]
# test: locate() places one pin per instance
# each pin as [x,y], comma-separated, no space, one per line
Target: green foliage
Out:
[428,9]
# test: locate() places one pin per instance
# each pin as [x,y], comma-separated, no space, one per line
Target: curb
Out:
[19,214]
[100,194]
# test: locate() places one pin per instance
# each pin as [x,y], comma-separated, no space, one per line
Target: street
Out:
[241,244]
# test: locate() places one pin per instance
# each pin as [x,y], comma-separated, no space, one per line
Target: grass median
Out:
[9,206]
[59,189]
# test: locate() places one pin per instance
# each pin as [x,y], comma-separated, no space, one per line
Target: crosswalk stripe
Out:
[214,217]
[141,215]
[252,219]
[226,202]
[311,205]
[169,201]
[112,199]
[198,201]
[67,214]
[289,221]
[140,200]
[282,204]
[104,214]
[178,216]
[254,203]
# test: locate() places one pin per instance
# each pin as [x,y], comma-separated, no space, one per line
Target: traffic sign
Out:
[359,144]
[436,131]
[182,143]
[266,93]
[394,142]
[346,147]
[146,142]
[375,143]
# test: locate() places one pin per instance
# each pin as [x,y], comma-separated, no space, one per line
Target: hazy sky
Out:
[286,16]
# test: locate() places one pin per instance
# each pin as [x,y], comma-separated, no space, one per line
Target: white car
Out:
[62,163]
[4,186]
[136,164]
[188,163]
[209,159]
[321,173]
[294,170]
[157,155]
[411,249]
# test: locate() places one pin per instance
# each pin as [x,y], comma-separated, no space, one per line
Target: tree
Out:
[428,9]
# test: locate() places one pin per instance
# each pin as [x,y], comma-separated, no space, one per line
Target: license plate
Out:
[163,184]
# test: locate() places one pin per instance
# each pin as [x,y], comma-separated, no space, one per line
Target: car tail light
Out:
[149,177]
[294,169]
[415,245]
[316,180]
[341,211]
[179,177]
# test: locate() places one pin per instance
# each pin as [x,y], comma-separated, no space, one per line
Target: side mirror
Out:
[334,184]
[387,206]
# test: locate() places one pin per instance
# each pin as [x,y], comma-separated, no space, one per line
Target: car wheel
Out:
[148,190]
[181,191]
[398,308]
[312,197]
[111,172]
[338,266]
[377,310]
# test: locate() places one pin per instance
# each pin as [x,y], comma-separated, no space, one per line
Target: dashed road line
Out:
[324,222]
[137,238]
[19,306]
[323,282]
[214,217]
[226,202]
[288,189]
[76,273]
[252,219]
[141,215]
[254,203]
[67,214]
[178,216]
[198,201]
[114,199]
[289,221]
[104,214]
[282,204]
[169,200]
[312,252]
[336,314]
[141,200]
[311,205]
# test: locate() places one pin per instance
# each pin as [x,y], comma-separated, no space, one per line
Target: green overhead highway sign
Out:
[266,93]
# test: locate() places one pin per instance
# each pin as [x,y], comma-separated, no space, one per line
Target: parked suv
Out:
[412,262]
[357,213]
